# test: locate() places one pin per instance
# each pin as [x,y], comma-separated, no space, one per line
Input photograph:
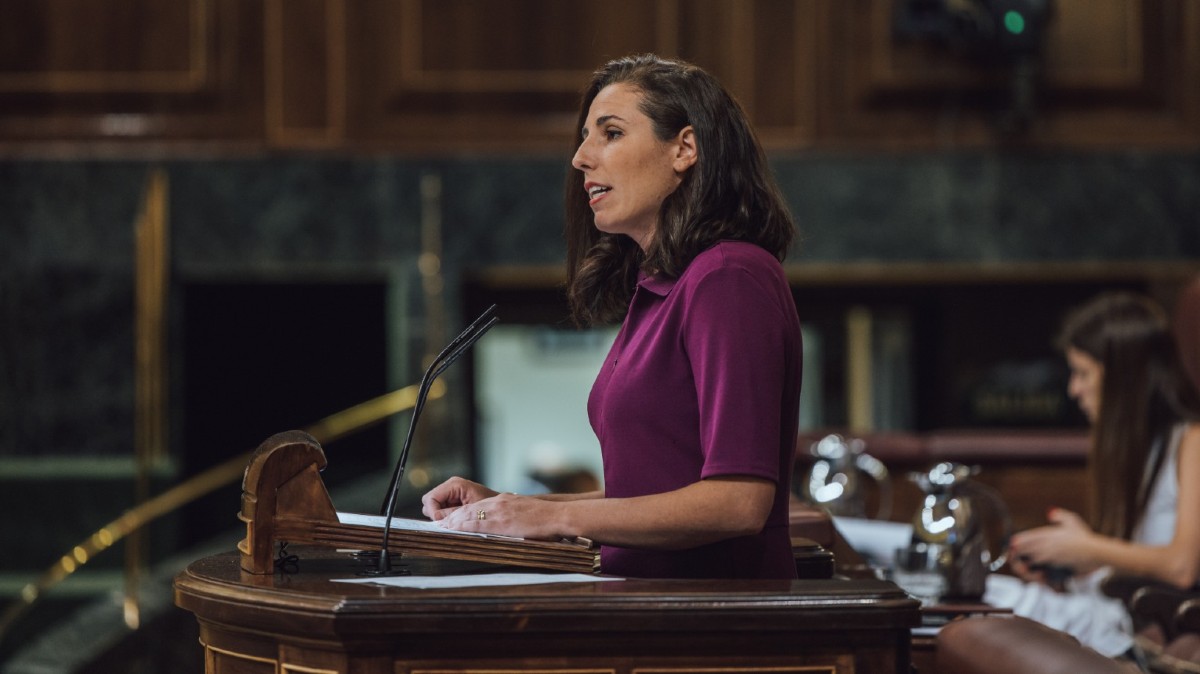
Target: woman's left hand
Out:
[507,515]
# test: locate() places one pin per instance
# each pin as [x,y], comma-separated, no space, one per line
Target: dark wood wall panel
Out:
[765,52]
[459,74]
[60,45]
[433,76]
[122,70]
[785,39]
[305,43]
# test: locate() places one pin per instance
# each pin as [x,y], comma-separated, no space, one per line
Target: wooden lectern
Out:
[285,500]
[305,622]
[253,620]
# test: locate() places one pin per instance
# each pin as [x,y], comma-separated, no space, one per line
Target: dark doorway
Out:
[260,358]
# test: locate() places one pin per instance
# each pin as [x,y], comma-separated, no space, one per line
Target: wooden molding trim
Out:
[316,116]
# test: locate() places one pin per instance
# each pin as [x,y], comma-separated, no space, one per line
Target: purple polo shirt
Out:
[704,380]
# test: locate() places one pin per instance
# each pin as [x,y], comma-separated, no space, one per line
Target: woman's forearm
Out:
[1167,563]
[584,496]
[701,513]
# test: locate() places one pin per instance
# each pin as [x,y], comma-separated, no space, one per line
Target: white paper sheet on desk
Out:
[477,580]
[876,540]
[405,524]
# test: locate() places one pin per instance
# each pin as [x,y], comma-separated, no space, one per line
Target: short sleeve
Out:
[736,342]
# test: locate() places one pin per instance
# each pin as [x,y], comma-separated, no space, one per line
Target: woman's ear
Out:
[685,149]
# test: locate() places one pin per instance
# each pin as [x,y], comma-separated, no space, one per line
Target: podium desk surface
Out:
[306,622]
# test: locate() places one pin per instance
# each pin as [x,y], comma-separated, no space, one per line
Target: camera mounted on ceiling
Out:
[998,34]
[993,32]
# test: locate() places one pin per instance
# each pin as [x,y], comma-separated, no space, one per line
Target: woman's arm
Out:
[1178,562]
[703,512]
[581,496]
[1071,543]
[456,492]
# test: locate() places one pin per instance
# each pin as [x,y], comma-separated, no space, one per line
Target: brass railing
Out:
[151,254]
[326,430]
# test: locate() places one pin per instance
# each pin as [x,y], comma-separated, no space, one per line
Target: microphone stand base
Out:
[379,564]
[401,571]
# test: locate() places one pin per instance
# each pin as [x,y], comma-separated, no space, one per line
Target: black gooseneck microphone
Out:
[445,359]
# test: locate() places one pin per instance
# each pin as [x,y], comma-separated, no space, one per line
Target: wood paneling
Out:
[458,74]
[123,70]
[437,76]
[305,43]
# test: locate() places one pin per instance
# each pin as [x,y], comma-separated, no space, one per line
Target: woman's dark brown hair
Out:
[728,194]
[1144,392]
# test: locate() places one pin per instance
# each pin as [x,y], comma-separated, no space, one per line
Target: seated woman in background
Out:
[1144,470]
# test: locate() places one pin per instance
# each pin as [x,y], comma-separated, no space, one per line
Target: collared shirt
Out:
[704,380]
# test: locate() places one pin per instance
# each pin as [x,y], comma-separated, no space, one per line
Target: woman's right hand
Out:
[451,495]
[1066,543]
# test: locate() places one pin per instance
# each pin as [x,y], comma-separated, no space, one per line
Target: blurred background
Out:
[222,219]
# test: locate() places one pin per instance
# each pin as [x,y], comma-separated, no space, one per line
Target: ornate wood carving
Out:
[284,499]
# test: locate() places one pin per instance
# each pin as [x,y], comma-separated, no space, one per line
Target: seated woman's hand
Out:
[1066,542]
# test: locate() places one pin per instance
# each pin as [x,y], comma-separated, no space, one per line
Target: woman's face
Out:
[627,170]
[1087,375]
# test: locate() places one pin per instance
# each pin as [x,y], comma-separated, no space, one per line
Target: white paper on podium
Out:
[877,540]
[477,580]
[405,524]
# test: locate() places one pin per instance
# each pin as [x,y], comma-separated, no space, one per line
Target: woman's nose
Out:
[582,158]
[1073,387]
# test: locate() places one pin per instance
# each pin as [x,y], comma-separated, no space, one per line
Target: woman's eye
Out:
[612,134]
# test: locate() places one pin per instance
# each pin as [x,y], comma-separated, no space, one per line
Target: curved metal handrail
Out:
[326,430]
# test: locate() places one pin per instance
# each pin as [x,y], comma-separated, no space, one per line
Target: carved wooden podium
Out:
[305,622]
[253,620]
[285,500]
